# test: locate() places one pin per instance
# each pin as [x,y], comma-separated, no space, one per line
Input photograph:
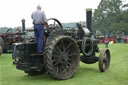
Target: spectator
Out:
[106,41]
[125,39]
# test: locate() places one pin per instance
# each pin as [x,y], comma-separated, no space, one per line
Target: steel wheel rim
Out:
[104,60]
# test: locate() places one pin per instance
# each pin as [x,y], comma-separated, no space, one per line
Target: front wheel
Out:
[104,60]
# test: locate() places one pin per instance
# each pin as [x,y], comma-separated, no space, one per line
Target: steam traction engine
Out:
[9,37]
[62,52]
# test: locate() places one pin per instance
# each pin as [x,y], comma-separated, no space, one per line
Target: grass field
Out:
[86,74]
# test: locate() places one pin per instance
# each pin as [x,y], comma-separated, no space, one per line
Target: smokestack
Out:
[89,18]
[23,25]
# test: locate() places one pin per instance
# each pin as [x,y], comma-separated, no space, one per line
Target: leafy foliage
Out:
[4,29]
[111,16]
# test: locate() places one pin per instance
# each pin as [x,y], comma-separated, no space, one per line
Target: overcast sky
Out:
[12,11]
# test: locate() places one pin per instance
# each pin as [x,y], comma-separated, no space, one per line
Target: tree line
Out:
[111,16]
[5,29]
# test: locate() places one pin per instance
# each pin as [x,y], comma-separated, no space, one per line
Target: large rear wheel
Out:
[61,57]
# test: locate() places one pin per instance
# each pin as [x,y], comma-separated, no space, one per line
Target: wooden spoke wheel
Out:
[104,60]
[61,57]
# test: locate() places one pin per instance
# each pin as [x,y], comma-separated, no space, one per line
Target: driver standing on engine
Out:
[39,21]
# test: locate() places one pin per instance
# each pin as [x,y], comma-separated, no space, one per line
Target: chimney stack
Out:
[23,25]
[89,18]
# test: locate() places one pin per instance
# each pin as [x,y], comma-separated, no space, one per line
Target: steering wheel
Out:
[54,24]
[9,30]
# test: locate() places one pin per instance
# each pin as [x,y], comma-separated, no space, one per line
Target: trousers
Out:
[106,45]
[38,36]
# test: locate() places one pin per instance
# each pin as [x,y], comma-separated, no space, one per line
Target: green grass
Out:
[86,74]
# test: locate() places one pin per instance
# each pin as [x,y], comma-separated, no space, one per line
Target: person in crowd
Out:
[106,42]
[125,39]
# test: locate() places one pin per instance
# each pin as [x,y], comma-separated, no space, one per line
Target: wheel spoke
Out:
[58,49]
[69,60]
[71,65]
[57,69]
[64,49]
[68,51]
[68,46]
[55,51]
[105,60]
[72,54]
[56,63]
[65,72]
[56,56]
[104,55]
[61,68]
[62,45]
[53,60]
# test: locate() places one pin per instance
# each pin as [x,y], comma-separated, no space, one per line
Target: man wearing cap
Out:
[39,21]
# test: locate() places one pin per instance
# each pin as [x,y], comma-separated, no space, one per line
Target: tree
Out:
[109,15]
